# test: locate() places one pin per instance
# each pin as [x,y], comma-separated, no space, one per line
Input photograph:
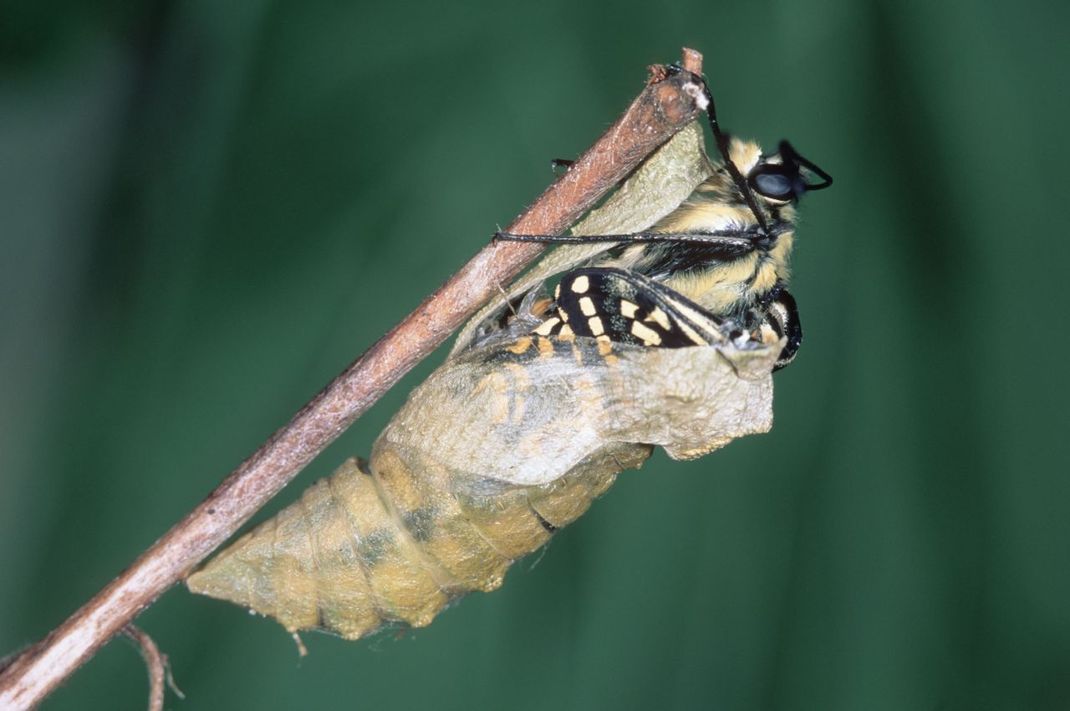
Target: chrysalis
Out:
[530,418]
[498,449]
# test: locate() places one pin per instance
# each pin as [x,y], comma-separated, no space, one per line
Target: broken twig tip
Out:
[691,60]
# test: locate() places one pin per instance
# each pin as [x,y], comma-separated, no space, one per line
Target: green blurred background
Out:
[208,209]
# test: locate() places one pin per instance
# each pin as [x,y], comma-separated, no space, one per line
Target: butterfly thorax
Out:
[715,266]
[726,280]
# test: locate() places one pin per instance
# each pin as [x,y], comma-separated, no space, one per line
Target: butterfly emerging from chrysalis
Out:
[720,258]
[549,395]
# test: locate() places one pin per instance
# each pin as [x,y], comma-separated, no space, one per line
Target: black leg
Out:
[782,315]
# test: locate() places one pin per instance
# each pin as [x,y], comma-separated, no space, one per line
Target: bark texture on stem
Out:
[665,106]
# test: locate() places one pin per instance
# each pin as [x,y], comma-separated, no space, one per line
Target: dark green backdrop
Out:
[207,212]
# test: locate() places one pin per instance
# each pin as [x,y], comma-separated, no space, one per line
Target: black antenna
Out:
[722,147]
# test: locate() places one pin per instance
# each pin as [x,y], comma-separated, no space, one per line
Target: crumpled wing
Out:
[654,190]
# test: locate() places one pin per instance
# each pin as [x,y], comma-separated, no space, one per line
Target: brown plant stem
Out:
[664,107]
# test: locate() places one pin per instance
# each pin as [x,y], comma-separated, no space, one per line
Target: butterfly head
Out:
[784,176]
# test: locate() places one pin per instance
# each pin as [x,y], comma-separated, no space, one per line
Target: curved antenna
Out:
[788,152]
[722,146]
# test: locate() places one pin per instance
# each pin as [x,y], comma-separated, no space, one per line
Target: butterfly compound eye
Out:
[775,185]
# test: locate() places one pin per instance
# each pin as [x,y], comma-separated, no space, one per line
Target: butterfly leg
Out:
[782,315]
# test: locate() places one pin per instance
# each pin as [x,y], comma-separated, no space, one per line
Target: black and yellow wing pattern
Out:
[627,307]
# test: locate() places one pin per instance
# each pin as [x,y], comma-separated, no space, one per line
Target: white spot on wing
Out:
[647,335]
[659,317]
[547,326]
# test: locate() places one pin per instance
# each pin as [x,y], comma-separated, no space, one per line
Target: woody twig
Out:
[665,105]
